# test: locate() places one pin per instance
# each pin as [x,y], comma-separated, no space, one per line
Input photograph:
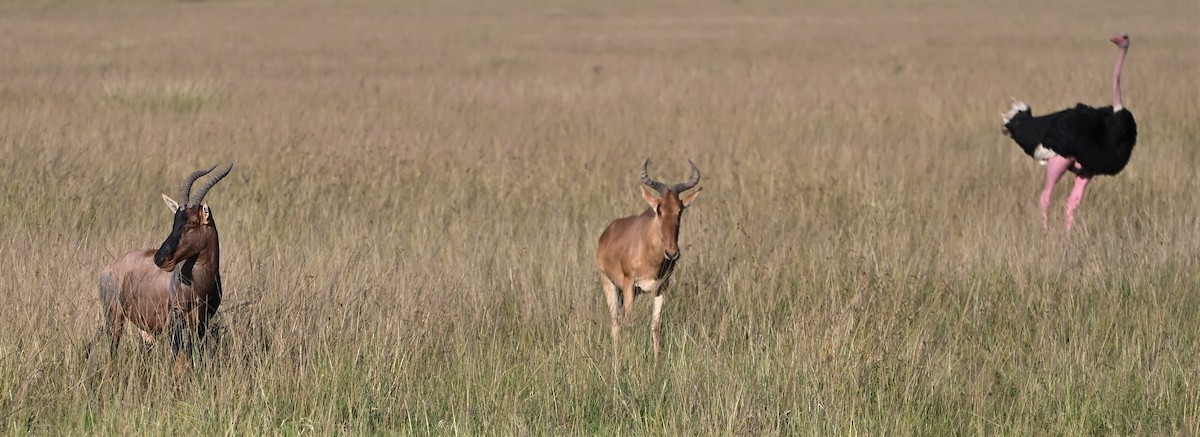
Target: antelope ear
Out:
[171,204]
[653,201]
[205,213]
[687,201]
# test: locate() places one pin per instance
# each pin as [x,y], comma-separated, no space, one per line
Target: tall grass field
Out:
[408,235]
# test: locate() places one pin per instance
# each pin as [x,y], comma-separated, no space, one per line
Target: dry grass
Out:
[408,234]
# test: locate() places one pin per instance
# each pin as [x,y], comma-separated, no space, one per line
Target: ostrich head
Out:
[1121,40]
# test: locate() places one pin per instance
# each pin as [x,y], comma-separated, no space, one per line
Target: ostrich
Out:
[1084,140]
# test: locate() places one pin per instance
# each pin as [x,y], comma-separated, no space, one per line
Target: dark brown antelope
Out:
[638,253]
[177,288]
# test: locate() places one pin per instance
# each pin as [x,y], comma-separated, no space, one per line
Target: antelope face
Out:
[191,233]
[668,211]
[194,228]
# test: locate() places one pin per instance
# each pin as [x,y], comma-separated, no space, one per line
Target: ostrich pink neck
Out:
[1116,87]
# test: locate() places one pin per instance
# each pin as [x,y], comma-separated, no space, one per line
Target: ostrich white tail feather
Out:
[1017,107]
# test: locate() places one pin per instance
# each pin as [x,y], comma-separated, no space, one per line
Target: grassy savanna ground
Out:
[408,236]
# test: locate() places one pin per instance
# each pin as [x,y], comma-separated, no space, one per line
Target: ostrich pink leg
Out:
[1076,197]
[1056,166]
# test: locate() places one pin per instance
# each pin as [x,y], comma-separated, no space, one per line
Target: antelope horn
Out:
[679,188]
[204,189]
[656,185]
[187,183]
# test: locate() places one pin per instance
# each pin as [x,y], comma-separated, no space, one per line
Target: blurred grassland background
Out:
[408,235]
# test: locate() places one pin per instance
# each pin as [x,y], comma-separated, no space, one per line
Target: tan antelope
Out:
[177,288]
[638,253]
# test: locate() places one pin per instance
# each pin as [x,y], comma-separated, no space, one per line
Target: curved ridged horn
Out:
[679,188]
[187,183]
[204,189]
[656,185]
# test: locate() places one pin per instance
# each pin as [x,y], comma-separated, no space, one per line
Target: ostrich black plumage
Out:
[1084,140]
